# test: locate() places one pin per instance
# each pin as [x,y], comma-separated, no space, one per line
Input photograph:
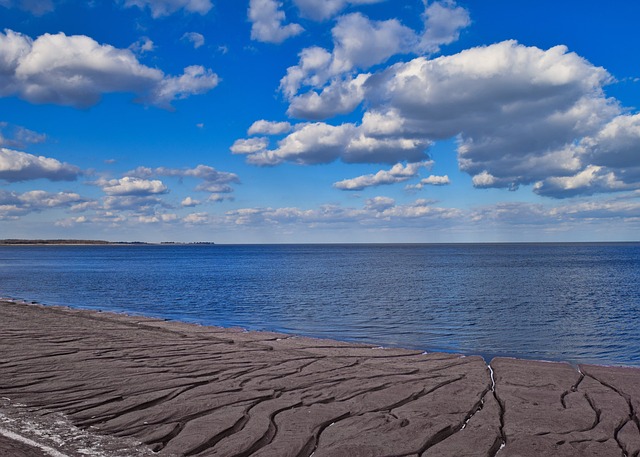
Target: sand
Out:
[88,383]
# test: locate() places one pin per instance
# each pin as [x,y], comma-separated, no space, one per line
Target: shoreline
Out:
[186,389]
[486,356]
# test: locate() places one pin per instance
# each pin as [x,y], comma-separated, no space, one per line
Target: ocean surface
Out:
[572,302]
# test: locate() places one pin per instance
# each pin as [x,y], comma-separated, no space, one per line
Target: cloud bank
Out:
[76,71]
[20,166]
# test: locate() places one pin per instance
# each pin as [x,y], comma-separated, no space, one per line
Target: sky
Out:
[313,121]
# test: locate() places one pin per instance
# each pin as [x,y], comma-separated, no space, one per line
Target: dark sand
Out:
[82,381]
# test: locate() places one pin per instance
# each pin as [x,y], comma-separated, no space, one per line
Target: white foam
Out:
[46,449]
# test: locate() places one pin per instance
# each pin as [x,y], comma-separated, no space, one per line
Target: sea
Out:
[574,302]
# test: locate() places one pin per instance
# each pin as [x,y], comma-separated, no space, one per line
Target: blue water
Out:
[573,302]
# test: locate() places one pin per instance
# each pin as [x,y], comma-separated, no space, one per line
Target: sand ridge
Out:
[188,390]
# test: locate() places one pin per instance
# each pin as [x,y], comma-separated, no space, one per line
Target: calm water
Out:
[575,302]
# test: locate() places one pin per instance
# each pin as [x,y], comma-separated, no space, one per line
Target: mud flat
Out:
[76,383]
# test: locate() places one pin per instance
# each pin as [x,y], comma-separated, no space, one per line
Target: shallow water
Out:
[574,302]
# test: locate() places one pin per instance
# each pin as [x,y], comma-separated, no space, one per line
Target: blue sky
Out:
[319,120]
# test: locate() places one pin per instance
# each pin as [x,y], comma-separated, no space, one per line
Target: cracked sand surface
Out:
[204,391]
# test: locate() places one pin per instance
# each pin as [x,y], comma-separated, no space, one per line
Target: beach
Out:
[79,382]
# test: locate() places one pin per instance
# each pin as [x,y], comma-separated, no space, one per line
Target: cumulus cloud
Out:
[379,204]
[196,218]
[314,143]
[431,180]
[398,173]
[267,22]
[190,202]
[249,146]
[131,186]
[195,80]
[14,204]
[161,8]
[195,38]
[361,43]
[591,180]
[138,204]
[320,10]
[76,71]
[358,43]
[521,114]
[213,180]
[144,44]
[612,159]
[341,96]
[35,7]
[20,166]
[263,127]
[443,22]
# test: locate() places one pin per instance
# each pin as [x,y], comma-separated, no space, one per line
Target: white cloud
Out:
[443,22]
[190,202]
[157,218]
[204,172]
[71,221]
[379,204]
[195,38]
[35,7]
[249,146]
[358,43]
[520,115]
[313,69]
[313,143]
[611,159]
[213,180]
[130,186]
[431,180]
[263,127]
[361,43]
[20,166]
[76,71]
[320,10]
[484,179]
[195,80]
[397,173]
[138,204]
[14,204]
[161,8]
[41,199]
[342,96]
[196,218]
[267,22]
[217,198]
[514,107]
[144,44]
[593,179]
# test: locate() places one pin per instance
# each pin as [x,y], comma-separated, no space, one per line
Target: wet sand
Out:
[89,383]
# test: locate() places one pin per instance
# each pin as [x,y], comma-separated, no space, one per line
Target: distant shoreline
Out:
[19,242]
[73,242]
